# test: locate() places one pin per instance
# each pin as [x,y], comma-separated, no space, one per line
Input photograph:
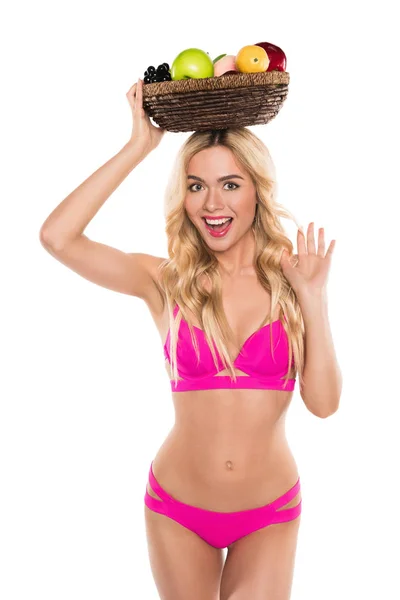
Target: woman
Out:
[239,318]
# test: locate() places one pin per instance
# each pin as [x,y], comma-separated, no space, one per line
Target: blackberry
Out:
[153,75]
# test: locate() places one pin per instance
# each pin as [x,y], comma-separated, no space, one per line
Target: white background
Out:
[85,398]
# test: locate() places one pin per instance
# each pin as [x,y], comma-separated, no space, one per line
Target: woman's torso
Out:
[227,450]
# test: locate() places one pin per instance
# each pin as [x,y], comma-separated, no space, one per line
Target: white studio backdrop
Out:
[85,398]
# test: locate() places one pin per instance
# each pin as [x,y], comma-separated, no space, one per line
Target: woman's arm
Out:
[308,277]
[322,376]
[62,235]
[70,218]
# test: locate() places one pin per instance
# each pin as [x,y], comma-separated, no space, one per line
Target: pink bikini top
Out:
[255,358]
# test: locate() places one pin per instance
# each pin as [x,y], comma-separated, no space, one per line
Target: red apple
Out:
[276,56]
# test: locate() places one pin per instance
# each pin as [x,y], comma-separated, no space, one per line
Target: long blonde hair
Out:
[190,258]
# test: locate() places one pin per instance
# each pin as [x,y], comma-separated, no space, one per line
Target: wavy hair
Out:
[190,259]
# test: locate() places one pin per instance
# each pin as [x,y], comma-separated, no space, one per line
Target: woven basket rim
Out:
[221,82]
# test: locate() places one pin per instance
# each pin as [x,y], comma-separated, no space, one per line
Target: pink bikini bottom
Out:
[220,529]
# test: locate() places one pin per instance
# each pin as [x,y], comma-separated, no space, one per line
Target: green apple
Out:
[192,63]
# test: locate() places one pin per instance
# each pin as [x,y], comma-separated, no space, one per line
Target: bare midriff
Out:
[227,450]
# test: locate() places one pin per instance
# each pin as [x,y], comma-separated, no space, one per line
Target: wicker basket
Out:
[233,100]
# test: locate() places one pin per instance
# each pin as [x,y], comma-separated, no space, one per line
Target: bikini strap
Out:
[156,487]
[287,496]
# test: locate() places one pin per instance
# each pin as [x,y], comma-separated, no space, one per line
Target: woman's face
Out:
[233,196]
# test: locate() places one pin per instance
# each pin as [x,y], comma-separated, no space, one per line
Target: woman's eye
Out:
[227,183]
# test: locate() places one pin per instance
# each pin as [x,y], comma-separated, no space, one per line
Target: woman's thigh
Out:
[182,563]
[260,565]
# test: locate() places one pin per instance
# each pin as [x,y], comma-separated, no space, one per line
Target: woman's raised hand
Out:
[144,133]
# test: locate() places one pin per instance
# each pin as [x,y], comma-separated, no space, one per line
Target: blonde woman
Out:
[240,317]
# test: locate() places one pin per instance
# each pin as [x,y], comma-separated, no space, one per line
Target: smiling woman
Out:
[234,345]
[231,203]
[234,320]
[215,223]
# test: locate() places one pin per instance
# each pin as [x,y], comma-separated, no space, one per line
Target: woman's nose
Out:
[213,200]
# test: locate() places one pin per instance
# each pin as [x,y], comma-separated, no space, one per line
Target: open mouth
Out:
[220,227]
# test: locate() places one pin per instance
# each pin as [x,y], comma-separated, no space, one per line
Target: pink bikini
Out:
[265,371]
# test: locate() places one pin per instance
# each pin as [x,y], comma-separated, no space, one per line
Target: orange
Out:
[252,59]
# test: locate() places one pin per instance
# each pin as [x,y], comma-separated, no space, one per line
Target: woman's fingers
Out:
[135,97]
[130,94]
[139,97]
[139,91]
[130,89]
